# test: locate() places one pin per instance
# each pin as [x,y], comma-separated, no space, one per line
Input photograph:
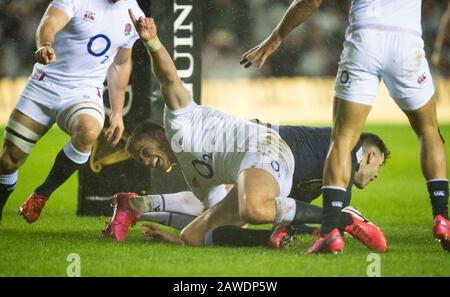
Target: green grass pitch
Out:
[397,202]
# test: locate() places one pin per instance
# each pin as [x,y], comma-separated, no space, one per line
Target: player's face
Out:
[152,153]
[368,169]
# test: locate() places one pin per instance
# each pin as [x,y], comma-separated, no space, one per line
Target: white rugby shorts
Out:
[397,57]
[44,101]
[275,157]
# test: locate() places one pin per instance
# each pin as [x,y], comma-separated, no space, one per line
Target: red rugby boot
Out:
[123,217]
[32,207]
[441,232]
[330,243]
[282,237]
[365,231]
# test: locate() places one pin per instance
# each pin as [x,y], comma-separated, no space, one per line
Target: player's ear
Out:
[141,152]
[370,157]
[160,136]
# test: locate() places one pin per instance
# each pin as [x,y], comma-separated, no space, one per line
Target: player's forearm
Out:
[51,23]
[118,77]
[45,34]
[164,67]
[173,91]
[296,14]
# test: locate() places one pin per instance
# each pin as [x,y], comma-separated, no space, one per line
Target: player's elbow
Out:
[166,76]
[168,80]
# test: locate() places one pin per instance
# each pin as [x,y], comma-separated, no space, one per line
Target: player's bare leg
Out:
[257,190]
[199,231]
[84,130]
[260,203]
[433,161]
[348,122]
[22,133]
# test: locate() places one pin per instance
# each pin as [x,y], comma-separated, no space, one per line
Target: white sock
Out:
[174,220]
[73,154]
[285,210]
[181,203]
[9,179]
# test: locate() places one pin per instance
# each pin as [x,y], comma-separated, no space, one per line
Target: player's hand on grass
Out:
[152,232]
[261,52]
[45,55]
[115,130]
[145,27]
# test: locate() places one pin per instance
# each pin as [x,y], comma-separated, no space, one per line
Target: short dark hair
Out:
[147,128]
[370,139]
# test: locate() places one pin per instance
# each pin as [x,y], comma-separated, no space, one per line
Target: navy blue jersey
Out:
[309,145]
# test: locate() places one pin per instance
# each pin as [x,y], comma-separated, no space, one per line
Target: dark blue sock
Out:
[438,191]
[333,201]
[62,169]
[5,192]
[237,236]
[306,213]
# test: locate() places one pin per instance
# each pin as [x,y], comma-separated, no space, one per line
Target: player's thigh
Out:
[349,119]
[81,109]
[264,175]
[255,186]
[358,76]
[21,135]
[33,115]
[406,74]
[224,213]
[82,118]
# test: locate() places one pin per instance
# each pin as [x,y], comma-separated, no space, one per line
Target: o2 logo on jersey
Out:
[275,166]
[94,46]
[344,79]
[202,167]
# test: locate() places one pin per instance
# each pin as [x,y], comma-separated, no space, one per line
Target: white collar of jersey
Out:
[359,155]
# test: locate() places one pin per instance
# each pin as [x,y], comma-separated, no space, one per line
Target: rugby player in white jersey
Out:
[79,43]
[213,150]
[309,145]
[383,41]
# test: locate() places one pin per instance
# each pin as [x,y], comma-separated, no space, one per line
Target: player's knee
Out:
[85,134]
[428,132]
[253,214]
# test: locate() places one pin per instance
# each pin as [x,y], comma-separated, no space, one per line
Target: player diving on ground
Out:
[309,146]
[215,149]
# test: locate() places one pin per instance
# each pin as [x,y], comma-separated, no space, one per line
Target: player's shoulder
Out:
[305,130]
[179,115]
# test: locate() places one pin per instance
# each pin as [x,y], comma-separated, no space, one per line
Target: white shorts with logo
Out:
[274,157]
[44,101]
[397,57]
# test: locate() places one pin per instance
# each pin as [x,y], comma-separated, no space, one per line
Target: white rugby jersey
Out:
[386,14]
[209,146]
[87,45]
